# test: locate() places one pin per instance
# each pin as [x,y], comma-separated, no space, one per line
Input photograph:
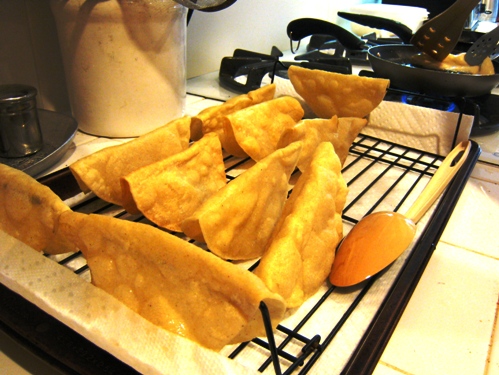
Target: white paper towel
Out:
[102,319]
[422,128]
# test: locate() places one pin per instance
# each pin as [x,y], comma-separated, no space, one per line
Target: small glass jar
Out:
[20,133]
[124,62]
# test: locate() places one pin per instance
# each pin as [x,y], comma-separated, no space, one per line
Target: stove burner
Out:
[324,52]
[255,66]
[428,102]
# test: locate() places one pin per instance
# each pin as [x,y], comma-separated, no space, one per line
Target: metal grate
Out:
[348,327]
[380,176]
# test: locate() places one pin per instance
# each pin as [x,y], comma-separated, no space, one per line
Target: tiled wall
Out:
[29,49]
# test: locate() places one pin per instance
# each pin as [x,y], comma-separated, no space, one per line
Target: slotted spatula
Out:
[438,36]
[484,46]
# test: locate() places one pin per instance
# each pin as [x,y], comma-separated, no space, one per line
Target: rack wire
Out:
[347,327]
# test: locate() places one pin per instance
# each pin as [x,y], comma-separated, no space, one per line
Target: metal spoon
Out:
[380,238]
[438,36]
[483,47]
[206,5]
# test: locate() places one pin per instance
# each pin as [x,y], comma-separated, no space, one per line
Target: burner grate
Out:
[244,70]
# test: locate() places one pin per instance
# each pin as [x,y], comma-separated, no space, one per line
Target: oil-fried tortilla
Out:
[255,131]
[348,129]
[237,221]
[340,132]
[169,191]
[29,211]
[101,171]
[311,132]
[171,282]
[209,119]
[453,63]
[301,250]
[343,95]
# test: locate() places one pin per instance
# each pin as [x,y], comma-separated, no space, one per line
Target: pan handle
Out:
[303,27]
[398,28]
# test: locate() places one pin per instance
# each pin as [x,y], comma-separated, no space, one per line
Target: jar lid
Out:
[13,93]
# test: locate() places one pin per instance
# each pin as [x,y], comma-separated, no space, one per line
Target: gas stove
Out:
[247,70]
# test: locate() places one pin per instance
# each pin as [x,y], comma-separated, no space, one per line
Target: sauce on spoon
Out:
[379,238]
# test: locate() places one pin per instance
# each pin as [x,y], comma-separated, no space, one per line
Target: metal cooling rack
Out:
[381,176]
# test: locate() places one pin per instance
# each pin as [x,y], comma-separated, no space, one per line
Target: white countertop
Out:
[451,324]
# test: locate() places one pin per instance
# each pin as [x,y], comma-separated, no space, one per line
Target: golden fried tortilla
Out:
[171,282]
[311,132]
[453,63]
[169,191]
[29,211]
[237,221]
[100,172]
[340,132]
[255,131]
[209,119]
[348,129]
[343,95]
[301,250]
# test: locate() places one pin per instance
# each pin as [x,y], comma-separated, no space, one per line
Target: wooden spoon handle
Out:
[444,174]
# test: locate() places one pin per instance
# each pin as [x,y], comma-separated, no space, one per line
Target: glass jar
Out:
[20,133]
[124,62]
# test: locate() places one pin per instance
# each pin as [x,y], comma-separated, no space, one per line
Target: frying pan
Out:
[392,61]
